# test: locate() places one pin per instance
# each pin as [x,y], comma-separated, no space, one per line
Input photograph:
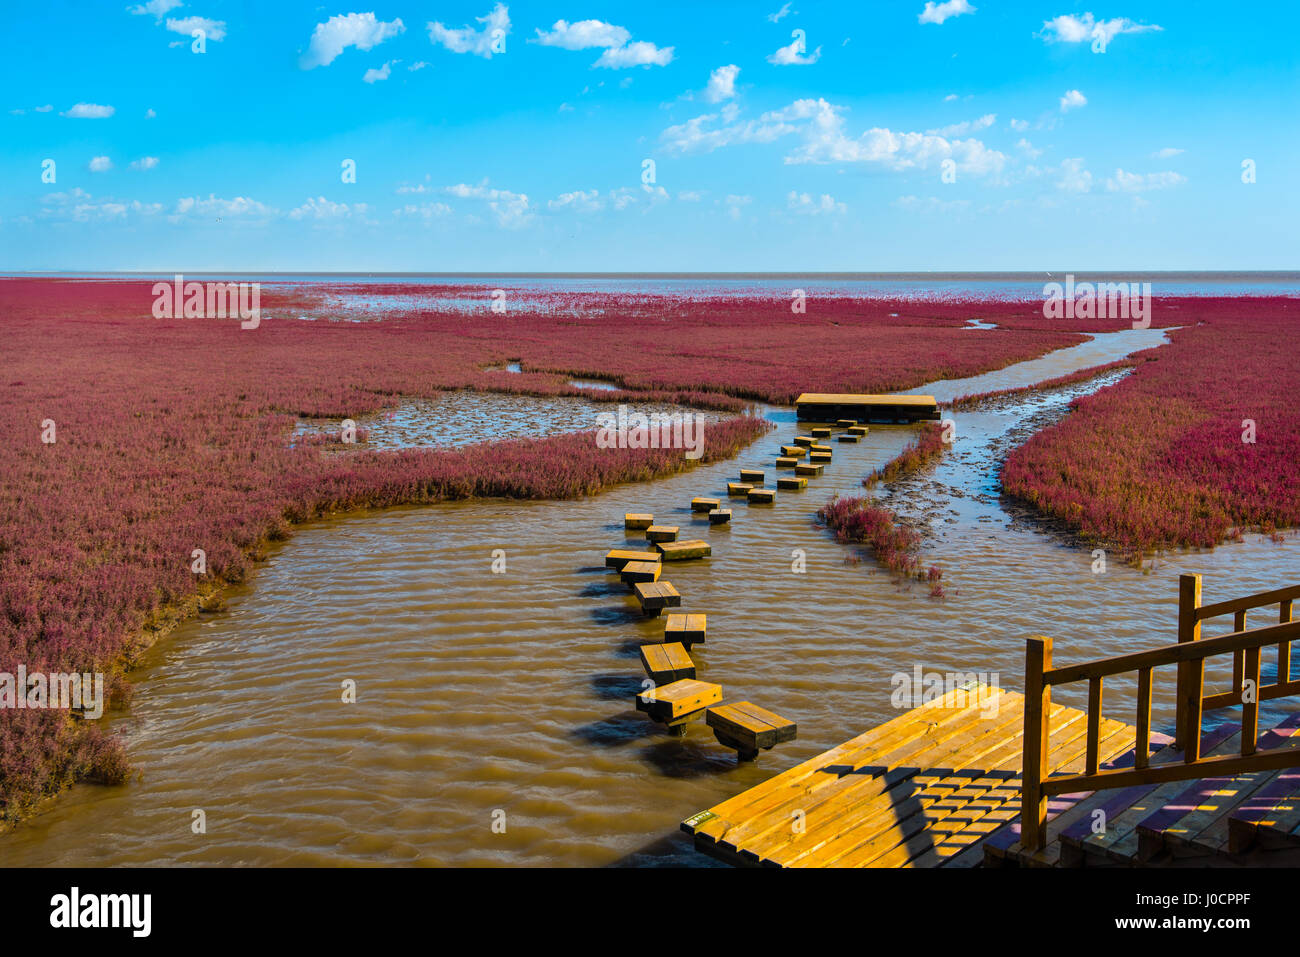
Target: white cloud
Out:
[966,126]
[689,196]
[154,8]
[375,75]
[950,98]
[44,109]
[722,83]
[794,54]
[320,208]
[426,211]
[469,40]
[1123,182]
[1028,148]
[510,209]
[79,206]
[1075,177]
[417,65]
[360,30]
[580,201]
[214,30]
[1072,29]
[1072,100]
[149,114]
[812,206]
[145,163]
[736,203]
[583,35]
[939,12]
[1019,125]
[89,111]
[100,164]
[820,126]
[214,207]
[776,17]
[1167,152]
[638,53]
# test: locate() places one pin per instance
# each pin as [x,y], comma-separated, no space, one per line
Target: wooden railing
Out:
[1189,655]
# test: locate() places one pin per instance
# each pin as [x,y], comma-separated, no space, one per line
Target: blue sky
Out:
[969,134]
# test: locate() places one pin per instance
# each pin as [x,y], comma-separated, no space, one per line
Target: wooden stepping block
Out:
[654,597]
[819,457]
[661,533]
[761,496]
[859,429]
[747,728]
[818,447]
[849,437]
[809,469]
[720,516]
[821,433]
[687,629]
[846,423]
[752,475]
[793,451]
[621,556]
[681,551]
[787,462]
[636,521]
[704,504]
[634,572]
[805,440]
[667,663]
[679,702]
[738,489]
[795,484]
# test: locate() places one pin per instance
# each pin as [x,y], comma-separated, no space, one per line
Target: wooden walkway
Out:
[921,790]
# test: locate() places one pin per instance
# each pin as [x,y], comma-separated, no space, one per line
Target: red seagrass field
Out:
[177,434]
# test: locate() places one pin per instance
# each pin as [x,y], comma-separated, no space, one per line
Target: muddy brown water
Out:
[484,697]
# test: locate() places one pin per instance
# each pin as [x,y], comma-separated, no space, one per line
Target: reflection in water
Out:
[481,692]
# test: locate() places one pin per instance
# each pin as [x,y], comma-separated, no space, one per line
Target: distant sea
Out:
[893,285]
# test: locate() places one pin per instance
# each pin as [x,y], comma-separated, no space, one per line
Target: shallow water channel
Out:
[482,694]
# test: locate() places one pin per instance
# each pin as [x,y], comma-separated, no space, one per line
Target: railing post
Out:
[1284,647]
[1038,706]
[1189,629]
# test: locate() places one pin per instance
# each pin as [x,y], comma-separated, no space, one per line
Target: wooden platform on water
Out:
[832,406]
[922,790]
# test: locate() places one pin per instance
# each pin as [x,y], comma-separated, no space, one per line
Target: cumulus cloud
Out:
[722,83]
[154,8]
[794,54]
[939,12]
[425,211]
[583,35]
[214,30]
[375,75]
[79,206]
[1072,100]
[360,30]
[620,52]
[1123,182]
[144,163]
[510,209]
[214,207]
[320,208]
[776,17]
[89,111]
[100,164]
[966,126]
[1074,29]
[808,205]
[580,201]
[484,42]
[819,126]
[1075,177]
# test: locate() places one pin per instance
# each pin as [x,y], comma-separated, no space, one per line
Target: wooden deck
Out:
[921,790]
